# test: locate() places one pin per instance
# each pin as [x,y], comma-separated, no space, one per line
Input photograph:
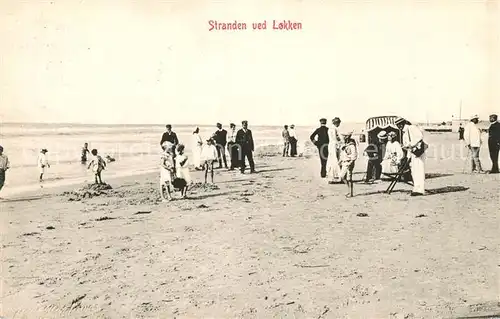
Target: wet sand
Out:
[280,243]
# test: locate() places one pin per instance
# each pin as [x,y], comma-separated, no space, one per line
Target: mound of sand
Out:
[88,191]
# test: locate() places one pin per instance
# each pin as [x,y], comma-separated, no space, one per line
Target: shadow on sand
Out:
[22,199]
[274,170]
[204,196]
[435,191]
[436,175]
[495,316]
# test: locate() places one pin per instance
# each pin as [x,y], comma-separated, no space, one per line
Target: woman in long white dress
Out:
[393,155]
[334,152]
[197,147]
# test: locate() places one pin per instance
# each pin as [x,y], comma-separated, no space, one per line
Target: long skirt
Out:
[197,156]
[333,163]
[418,173]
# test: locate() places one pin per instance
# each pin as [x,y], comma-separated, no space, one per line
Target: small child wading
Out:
[166,171]
[348,158]
[42,163]
[98,165]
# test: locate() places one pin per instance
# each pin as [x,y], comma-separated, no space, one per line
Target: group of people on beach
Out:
[338,152]
[471,135]
[174,171]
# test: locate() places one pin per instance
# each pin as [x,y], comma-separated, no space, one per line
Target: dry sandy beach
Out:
[278,244]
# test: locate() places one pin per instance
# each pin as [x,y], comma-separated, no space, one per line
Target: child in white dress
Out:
[98,165]
[166,171]
[182,169]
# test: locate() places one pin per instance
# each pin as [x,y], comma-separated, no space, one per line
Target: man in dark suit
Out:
[244,139]
[220,137]
[320,138]
[169,136]
[494,142]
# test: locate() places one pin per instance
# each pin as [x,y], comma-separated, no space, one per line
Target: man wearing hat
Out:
[413,141]
[320,138]
[334,146]
[472,137]
[293,141]
[376,153]
[232,147]
[285,134]
[494,142]
[220,138]
[244,139]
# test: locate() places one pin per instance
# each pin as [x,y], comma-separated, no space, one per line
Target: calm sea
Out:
[135,148]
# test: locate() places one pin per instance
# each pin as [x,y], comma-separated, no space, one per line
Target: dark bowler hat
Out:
[168,126]
[244,122]
[232,124]
[336,119]
[322,121]
[218,124]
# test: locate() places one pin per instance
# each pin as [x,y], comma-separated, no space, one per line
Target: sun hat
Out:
[346,133]
[382,134]
[475,116]
[392,134]
[336,119]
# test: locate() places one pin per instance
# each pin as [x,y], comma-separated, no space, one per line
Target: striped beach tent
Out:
[386,123]
[381,122]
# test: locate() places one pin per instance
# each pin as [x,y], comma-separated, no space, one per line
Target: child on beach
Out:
[42,163]
[85,151]
[166,171]
[4,166]
[182,169]
[98,165]
[348,158]
[209,156]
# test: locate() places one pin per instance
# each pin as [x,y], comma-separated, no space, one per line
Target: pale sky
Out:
[123,61]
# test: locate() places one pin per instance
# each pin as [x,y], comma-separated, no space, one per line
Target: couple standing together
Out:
[240,146]
[329,143]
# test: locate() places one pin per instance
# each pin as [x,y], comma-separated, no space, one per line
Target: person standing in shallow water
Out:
[321,140]
[85,151]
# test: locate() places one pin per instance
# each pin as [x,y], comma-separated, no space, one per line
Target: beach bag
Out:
[419,149]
